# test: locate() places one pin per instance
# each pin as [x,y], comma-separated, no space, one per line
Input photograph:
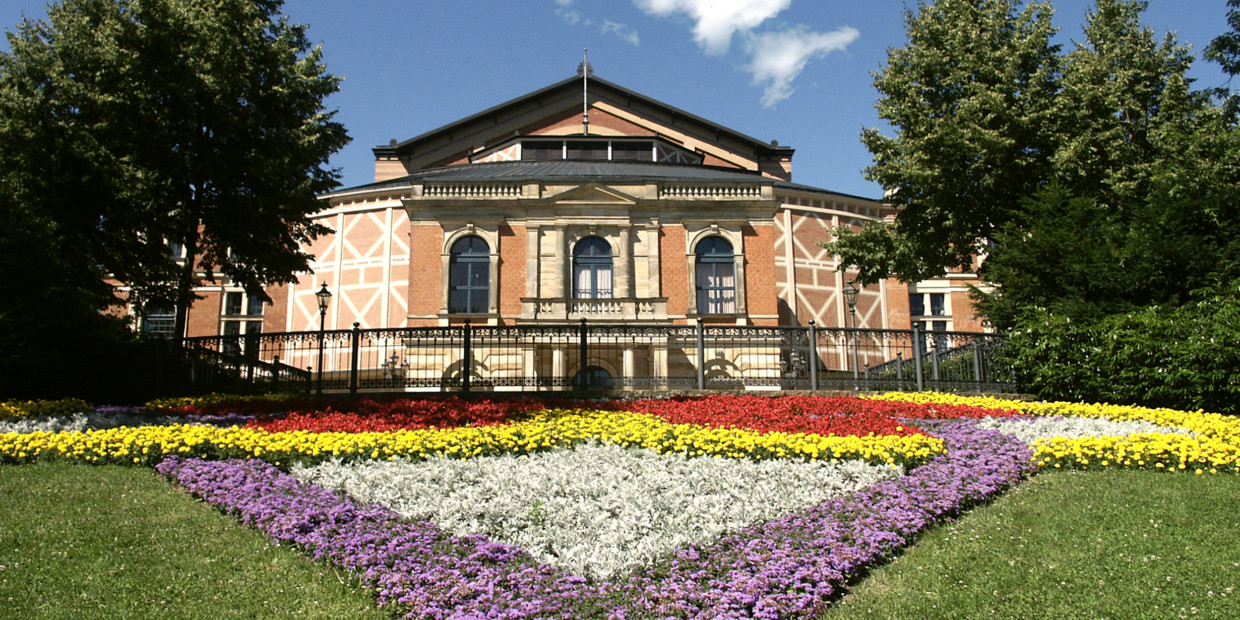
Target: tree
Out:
[1143,208]
[129,125]
[1093,182]
[1225,50]
[970,100]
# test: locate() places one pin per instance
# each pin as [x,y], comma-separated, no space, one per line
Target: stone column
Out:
[624,265]
[555,265]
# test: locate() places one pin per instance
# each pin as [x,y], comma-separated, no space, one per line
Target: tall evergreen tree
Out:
[1142,207]
[128,125]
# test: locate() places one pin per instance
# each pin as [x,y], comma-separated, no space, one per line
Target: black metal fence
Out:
[602,357]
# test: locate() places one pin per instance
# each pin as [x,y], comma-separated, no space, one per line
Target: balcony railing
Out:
[616,309]
[608,356]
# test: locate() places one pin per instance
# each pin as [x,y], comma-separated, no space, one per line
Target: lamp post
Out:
[325,297]
[850,296]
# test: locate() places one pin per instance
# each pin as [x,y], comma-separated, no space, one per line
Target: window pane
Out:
[457,300]
[632,151]
[936,304]
[916,304]
[603,282]
[255,306]
[232,303]
[581,281]
[478,275]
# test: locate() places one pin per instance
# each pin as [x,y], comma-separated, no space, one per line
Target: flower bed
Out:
[24,408]
[787,566]
[1213,446]
[597,509]
[839,415]
[542,431]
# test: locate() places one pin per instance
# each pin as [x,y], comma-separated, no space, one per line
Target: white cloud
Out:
[620,30]
[607,27]
[715,21]
[777,58]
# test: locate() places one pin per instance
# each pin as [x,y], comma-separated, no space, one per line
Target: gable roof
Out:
[571,88]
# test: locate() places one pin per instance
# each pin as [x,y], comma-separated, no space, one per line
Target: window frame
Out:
[712,298]
[475,261]
[595,263]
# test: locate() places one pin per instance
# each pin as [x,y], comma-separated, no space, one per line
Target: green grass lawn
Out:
[1100,544]
[78,541]
[103,542]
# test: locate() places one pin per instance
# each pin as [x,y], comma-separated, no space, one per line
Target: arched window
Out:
[592,269]
[469,276]
[716,277]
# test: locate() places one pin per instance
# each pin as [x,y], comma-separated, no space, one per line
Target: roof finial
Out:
[585,71]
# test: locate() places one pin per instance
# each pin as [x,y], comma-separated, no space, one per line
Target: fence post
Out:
[275,373]
[354,357]
[977,366]
[250,354]
[701,355]
[921,381]
[934,362]
[309,380]
[899,371]
[584,352]
[813,357]
[467,357]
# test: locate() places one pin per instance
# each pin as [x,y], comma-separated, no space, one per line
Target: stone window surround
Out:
[489,232]
[731,232]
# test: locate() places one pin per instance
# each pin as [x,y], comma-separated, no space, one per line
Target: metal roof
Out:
[760,146]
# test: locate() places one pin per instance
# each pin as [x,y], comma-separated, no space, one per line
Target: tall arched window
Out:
[716,277]
[469,276]
[592,269]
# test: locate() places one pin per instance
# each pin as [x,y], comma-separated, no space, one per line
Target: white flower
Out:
[597,510]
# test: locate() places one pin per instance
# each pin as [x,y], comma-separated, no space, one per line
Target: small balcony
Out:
[609,310]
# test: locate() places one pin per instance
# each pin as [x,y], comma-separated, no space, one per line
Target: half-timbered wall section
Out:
[365,264]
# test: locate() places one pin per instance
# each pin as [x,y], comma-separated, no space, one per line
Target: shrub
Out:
[1184,358]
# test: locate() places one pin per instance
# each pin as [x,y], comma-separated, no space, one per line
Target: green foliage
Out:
[970,100]
[1104,184]
[1181,357]
[128,124]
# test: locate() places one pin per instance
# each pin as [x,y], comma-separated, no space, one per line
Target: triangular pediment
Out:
[593,194]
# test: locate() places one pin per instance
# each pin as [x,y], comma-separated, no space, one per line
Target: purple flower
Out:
[788,567]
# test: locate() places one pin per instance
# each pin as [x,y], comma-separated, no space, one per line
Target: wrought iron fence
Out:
[603,357]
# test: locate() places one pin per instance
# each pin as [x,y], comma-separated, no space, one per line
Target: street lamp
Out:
[850,296]
[325,297]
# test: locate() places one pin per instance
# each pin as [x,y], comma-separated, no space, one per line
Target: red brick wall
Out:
[425,272]
[760,276]
[204,315]
[897,304]
[512,265]
[275,314]
[963,319]
[672,265]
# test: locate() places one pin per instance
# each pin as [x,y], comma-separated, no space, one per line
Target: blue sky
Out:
[796,71]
